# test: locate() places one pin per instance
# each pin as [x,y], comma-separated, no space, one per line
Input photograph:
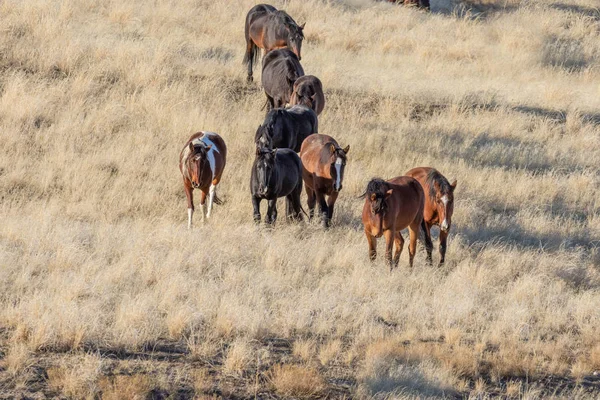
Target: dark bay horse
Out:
[323,164]
[286,128]
[308,91]
[276,173]
[439,202]
[201,162]
[391,206]
[280,70]
[268,28]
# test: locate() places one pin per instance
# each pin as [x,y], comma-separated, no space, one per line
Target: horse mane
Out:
[433,177]
[285,18]
[377,186]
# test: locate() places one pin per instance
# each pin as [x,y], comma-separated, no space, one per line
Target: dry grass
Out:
[96,100]
[296,381]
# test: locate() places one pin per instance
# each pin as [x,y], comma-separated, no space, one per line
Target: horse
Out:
[439,202]
[280,70]
[276,173]
[286,128]
[391,206]
[268,28]
[323,164]
[308,91]
[201,162]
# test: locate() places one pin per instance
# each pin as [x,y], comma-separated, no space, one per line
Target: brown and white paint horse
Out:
[323,164]
[439,202]
[391,206]
[201,162]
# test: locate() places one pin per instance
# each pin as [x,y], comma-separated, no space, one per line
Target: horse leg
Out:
[272,212]
[323,209]
[399,241]
[211,198]
[190,203]
[427,239]
[295,202]
[311,201]
[330,204]
[413,232]
[389,246]
[443,239]
[256,205]
[203,204]
[372,241]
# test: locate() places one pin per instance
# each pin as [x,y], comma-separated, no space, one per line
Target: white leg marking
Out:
[444,225]
[190,213]
[203,211]
[338,170]
[211,197]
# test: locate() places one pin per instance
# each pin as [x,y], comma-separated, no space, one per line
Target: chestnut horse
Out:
[201,162]
[323,164]
[391,206]
[439,202]
[280,70]
[308,91]
[268,28]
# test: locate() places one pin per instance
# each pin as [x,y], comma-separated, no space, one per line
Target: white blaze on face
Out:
[338,170]
[445,221]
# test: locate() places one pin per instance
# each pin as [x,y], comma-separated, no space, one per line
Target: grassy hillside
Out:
[104,292]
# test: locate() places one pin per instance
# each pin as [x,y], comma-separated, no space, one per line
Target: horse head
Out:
[196,161]
[444,201]
[337,164]
[295,37]
[265,168]
[377,194]
[264,136]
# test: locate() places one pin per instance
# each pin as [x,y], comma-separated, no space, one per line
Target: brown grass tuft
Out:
[296,381]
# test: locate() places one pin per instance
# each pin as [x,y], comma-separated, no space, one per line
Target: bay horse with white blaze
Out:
[323,164]
[276,173]
[308,91]
[439,202]
[280,70]
[391,206]
[286,128]
[268,28]
[201,162]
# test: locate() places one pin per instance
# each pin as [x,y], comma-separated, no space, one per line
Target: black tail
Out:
[251,56]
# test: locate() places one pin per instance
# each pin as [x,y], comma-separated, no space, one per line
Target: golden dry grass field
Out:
[104,293]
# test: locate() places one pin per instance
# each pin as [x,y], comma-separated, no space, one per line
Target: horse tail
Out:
[251,47]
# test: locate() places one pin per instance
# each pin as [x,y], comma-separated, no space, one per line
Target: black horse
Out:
[276,173]
[286,128]
[268,28]
[280,70]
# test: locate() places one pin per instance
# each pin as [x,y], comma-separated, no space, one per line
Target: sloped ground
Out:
[105,293]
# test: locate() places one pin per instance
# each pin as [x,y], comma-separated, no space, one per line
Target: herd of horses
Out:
[290,154]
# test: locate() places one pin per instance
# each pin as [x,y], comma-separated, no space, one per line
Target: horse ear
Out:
[453,185]
[332,148]
[302,26]
[373,196]
[346,149]
[388,193]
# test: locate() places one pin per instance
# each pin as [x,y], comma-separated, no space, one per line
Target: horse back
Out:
[408,200]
